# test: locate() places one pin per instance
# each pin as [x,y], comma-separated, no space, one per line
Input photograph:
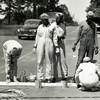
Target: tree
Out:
[95,7]
[64,9]
[12,5]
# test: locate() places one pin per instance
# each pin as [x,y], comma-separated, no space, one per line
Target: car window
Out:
[31,23]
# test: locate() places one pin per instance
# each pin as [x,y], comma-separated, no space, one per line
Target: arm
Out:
[38,35]
[78,71]
[8,60]
[98,71]
[78,38]
[52,29]
[78,35]
[96,41]
[63,36]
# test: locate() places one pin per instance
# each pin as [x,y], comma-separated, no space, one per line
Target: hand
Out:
[74,48]
[96,51]
[34,50]
[57,50]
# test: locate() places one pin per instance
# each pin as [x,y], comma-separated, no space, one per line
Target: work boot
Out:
[8,79]
[15,79]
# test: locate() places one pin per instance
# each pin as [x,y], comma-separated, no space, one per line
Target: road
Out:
[27,62]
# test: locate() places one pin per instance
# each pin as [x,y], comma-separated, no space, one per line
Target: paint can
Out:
[64,84]
[38,84]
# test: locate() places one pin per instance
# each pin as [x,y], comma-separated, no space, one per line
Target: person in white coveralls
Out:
[12,51]
[87,75]
[44,46]
[59,31]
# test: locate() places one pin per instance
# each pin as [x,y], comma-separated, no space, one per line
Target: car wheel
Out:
[19,37]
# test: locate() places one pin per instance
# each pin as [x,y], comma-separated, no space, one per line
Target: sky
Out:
[76,8]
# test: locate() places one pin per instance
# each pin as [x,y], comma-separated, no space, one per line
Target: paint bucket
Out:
[64,84]
[38,84]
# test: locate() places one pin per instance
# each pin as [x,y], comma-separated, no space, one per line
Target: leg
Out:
[63,63]
[7,65]
[49,51]
[55,65]
[14,71]
[90,52]
[40,59]
[77,81]
[81,55]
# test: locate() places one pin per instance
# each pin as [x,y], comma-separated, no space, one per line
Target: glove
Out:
[96,51]
[34,50]
[74,48]
[57,50]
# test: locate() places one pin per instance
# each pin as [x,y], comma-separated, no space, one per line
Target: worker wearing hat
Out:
[12,51]
[59,31]
[87,75]
[45,49]
[87,36]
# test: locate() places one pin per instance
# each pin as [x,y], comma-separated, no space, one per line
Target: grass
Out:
[11,30]
[6,30]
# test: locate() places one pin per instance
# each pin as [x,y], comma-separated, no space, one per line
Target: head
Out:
[59,18]
[15,52]
[45,19]
[86,59]
[90,16]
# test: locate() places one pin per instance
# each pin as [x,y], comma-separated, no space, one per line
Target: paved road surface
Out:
[27,62]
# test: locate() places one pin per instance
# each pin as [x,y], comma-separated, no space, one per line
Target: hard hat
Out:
[90,14]
[86,59]
[44,16]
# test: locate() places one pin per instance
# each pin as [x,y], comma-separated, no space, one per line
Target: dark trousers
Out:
[85,50]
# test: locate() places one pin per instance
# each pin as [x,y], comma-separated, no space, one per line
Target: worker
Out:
[59,30]
[45,49]
[87,35]
[12,51]
[87,75]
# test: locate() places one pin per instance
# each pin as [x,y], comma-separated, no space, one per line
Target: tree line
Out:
[17,11]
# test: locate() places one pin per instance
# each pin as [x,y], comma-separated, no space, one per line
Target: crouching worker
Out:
[87,75]
[12,51]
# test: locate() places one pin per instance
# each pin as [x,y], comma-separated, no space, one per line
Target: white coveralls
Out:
[11,59]
[60,32]
[88,74]
[45,49]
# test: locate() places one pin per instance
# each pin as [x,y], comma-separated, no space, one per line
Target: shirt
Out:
[10,44]
[44,33]
[86,34]
[58,31]
[88,73]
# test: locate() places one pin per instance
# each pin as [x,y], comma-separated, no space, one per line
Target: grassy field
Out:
[11,30]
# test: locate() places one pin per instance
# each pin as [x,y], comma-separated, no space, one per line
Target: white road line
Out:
[25,55]
[33,84]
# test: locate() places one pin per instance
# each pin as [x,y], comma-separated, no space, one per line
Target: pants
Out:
[87,50]
[61,60]
[45,51]
[87,80]
[10,66]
